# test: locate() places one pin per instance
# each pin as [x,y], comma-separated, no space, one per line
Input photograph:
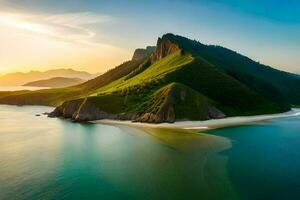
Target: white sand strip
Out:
[208,124]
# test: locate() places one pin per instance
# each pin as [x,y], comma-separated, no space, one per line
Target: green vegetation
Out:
[274,84]
[185,102]
[51,97]
[186,80]
[151,76]
[111,103]
[231,96]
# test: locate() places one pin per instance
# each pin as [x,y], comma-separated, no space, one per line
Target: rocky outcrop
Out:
[67,109]
[84,110]
[164,48]
[215,113]
[89,112]
[140,54]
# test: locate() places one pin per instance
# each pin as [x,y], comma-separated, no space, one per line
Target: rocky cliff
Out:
[83,110]
[164,48]
[140,54]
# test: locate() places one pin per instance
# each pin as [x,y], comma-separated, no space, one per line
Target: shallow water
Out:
[264,161]
[47,159]
[54,159]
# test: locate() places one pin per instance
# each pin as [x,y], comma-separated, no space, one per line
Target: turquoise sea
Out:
[54,159]
[264,161]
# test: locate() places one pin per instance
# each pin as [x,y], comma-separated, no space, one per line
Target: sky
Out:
[96,35]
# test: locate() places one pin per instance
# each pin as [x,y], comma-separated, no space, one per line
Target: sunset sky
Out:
[95,35]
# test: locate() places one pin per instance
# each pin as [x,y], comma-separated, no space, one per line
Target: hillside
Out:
[57,96]
[56,82]
[264,79]
[181,80]
[19,78]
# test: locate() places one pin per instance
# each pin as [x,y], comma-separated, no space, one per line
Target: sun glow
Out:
[16,21]
[45,41]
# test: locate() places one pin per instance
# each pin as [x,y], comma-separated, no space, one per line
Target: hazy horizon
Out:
[95,36]
[45,70]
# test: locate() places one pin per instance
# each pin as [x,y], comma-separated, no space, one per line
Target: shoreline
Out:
[192,125]
[204,125]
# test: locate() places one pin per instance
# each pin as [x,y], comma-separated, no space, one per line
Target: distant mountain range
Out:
[56,82]
[180,79]
[19,78]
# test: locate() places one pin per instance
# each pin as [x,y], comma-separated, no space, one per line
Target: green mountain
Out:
[181,79]
[261,78]
[56,82]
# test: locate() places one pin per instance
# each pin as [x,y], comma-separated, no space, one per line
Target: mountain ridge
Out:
[180,75]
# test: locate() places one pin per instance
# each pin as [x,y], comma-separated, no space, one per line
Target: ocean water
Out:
[54,159]
[264,161]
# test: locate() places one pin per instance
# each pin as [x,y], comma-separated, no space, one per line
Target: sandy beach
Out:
[208,124]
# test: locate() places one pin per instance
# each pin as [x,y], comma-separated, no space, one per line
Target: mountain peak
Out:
[169,35]
[165,46]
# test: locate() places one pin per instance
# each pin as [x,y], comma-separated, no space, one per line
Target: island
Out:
[178,80]
[56,82]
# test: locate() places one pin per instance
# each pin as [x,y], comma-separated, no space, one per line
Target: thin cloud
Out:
[81,18]
[68,27]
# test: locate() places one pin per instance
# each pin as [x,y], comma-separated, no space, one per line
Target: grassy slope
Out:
[133,95]
[55,97]
[145,92]
[50,97]
[265,80]
[187,103]
[110,76]
[230,95]
[151,76]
